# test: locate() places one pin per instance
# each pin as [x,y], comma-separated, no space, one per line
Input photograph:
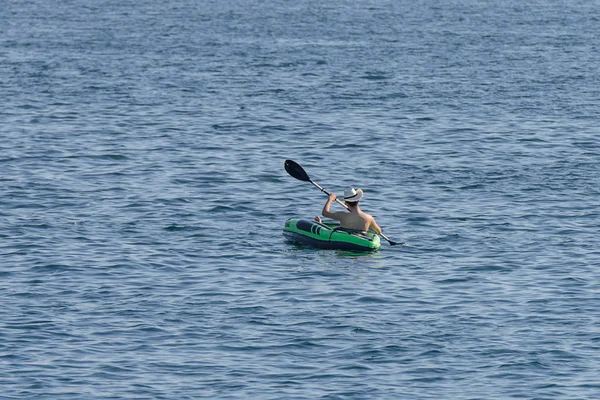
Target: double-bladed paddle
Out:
[296,171]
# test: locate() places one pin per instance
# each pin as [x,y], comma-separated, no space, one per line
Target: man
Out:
[354,218]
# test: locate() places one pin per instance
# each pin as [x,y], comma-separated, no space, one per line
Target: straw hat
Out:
[353,196]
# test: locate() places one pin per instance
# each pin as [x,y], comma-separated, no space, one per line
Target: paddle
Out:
[296,171]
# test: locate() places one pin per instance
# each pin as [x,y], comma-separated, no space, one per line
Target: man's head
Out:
[352,197]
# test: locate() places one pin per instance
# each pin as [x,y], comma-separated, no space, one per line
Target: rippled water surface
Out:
[143,196]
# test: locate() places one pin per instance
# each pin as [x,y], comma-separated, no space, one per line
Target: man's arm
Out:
[326,212]
[373,225]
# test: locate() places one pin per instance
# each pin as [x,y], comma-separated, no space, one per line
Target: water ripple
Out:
[143,198]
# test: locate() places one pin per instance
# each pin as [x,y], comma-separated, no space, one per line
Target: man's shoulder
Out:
[367,216]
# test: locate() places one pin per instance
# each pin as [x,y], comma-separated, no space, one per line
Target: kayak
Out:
[329,236]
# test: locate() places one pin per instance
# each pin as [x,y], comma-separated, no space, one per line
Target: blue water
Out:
[143,196]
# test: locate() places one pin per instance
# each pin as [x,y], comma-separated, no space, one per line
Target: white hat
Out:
[351,195]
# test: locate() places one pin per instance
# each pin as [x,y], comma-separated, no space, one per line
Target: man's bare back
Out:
[354,218]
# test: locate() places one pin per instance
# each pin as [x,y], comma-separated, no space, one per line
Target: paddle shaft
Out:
[389,241]
[327,193]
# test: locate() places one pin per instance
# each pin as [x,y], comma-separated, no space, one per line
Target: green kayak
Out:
[328,236]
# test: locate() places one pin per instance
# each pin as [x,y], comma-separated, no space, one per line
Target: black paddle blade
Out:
[295,170]
[391,242]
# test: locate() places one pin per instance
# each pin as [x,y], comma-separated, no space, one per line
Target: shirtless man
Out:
[354,218]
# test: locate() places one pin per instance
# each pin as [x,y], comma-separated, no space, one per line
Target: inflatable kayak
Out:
[328,236]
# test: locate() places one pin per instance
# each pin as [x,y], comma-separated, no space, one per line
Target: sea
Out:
[143,196]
